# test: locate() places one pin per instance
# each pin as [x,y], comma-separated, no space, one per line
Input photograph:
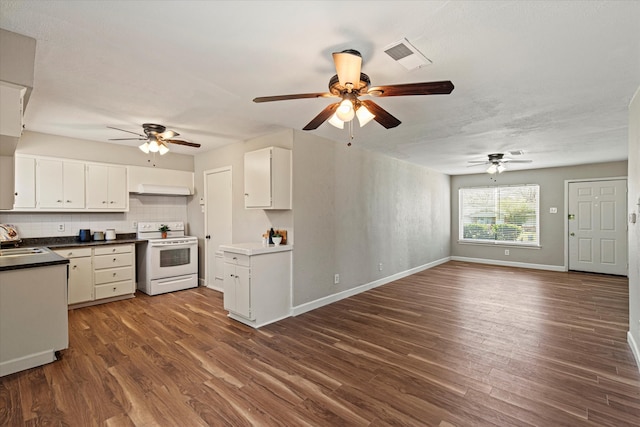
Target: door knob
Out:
[572,234]
[208,236]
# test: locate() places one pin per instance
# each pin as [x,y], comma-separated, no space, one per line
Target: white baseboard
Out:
[634,348]
[27,362]
[312,305]
[510,263]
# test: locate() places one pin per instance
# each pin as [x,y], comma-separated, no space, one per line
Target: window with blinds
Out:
[501,214]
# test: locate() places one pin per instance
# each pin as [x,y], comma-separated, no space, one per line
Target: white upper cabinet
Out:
[48,184]
[11,106]
[59,184]
[25,182]
[267,179]
[107,187]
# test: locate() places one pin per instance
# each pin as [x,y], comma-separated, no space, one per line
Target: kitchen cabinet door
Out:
[73,185]
[237,290]
[59,184]
[25,183]
[267,178]
[106,187]
[80,283]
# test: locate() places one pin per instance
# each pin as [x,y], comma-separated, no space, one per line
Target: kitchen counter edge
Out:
[254,248]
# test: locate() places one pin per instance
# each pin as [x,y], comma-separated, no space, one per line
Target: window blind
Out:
[500,214]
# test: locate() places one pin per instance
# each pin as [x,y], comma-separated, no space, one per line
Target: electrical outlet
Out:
[506,251]
[134,224]
[380,267]
[336,279]
[553,210]
[60,227]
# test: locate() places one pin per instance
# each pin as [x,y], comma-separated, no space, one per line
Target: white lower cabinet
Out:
[237,285]
[100,272]
[257,287]
[80,283]
[113,270]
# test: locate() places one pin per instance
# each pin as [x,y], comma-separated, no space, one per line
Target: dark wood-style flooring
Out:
[457,345]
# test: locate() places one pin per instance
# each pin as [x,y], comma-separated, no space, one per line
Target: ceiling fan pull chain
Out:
[350,133]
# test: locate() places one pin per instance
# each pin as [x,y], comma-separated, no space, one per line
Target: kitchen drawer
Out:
[74,252]
[114,260]
[237,259]
[114,289]
[113,275]
[115,249]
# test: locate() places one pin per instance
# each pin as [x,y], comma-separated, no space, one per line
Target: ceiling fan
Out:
[497,162]
[349,84]
[156,138]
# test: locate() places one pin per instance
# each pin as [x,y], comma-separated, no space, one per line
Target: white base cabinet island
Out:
[257,282]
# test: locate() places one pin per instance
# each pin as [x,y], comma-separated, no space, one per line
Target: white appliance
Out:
[166,264]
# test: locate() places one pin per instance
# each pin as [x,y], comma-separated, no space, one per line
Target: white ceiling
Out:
[551,78]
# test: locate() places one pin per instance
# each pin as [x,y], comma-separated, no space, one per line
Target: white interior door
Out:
[598,227]
[218,209]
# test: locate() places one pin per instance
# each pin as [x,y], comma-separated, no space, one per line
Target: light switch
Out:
[553,210]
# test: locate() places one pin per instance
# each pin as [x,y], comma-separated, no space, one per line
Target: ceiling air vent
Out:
[406,55]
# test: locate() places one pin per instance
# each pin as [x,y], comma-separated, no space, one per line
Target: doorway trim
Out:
[566,210]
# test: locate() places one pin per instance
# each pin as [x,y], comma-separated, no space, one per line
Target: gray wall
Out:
[634,229]
[354,209]
[551,181]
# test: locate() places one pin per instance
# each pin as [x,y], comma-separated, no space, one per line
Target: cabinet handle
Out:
[246,194]
[68,201]
[114,289]
[113,250]
[59,201]
[114,274]
[15,194]
[75,266]
[104,202]
[70,254]
[235,258]
[114,260]
[112,202]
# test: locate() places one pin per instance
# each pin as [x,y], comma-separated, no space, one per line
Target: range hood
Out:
[162,190]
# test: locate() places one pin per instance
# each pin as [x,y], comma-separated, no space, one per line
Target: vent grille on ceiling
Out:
[407,55]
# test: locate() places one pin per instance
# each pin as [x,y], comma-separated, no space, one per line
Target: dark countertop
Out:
[73,242]
[51,258]
[31,261]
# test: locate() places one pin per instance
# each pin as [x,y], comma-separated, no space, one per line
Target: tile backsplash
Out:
[141,208]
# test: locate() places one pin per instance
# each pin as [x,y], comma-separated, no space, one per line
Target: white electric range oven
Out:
[166,264]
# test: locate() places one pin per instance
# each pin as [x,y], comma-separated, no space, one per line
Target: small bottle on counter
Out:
[271,233]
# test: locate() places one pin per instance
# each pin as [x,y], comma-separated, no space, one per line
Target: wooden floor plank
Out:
[457,345]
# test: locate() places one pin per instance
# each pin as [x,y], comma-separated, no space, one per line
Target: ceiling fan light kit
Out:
[349,83]
[497,162]
[156,137]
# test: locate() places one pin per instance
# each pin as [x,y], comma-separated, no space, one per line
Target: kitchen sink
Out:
[22,251]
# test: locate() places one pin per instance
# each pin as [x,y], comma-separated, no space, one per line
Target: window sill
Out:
[500,244]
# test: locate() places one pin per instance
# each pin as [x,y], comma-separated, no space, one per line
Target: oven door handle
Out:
[174,245]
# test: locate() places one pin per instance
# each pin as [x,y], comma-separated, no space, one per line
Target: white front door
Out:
[218,224]
[598,226]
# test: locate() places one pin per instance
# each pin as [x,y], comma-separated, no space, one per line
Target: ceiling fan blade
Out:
[168,134]
[127,139]
[382,116]
[294,96]
[181,142]
[479,162]
[427,88]
[348,65]
[128,131]
[322,117]
[516,161]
